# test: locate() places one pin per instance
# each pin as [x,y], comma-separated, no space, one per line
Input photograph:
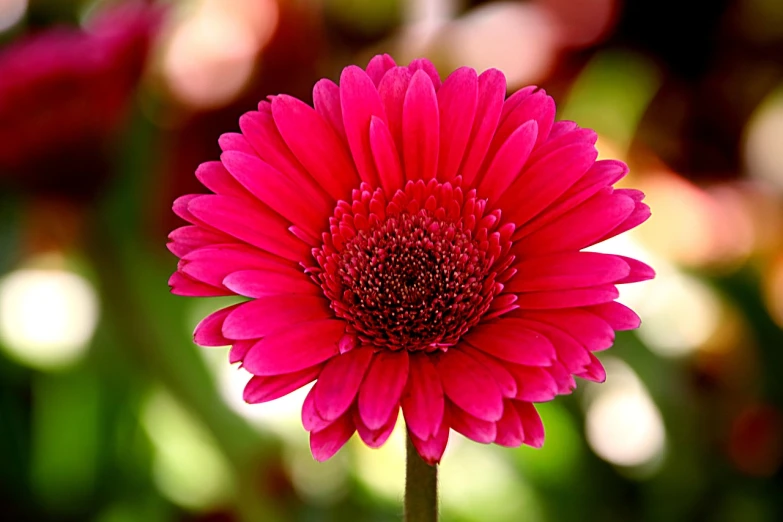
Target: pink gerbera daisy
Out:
[411,244]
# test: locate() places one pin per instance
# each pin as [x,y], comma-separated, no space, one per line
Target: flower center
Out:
[415,271]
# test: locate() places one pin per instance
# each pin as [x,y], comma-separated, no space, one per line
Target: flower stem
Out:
[421,488]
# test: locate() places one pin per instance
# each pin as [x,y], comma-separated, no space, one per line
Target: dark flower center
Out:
[414,272]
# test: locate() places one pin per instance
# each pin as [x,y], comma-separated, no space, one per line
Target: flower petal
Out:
[431,450]
[594,371]
[504,380]
[593,332]
[423,402]
[295,348]
[426,66]
[378,66]
[509,428]
[420,129]
[376,438]
[457,100]
[266,315]
[315,144]
[567,270]
[262,229]
[264,283]
[531,424]
[382,387]
[325,443]
[213,263]
[511,340]
[182,284]
[209,331]
[360,102]
[339,382]
[533,383]
[470,386]
[619,316]
[214,176]
[387,159]
[568,298]
[491,92]
[392,91]
[270,387]
[478,430]
[638,271]
[326,99]
[508,162]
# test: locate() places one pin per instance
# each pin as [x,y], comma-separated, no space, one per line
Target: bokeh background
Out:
[109,413]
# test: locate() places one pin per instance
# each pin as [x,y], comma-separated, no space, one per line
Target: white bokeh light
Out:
[623,425]
[47,316]
[11,12]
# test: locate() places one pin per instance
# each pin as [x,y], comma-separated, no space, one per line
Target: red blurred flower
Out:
[411,244]
[63,93]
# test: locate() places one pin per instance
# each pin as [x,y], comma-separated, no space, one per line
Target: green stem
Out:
[421,488]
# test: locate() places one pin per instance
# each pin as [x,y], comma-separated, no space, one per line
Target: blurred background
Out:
[109,413]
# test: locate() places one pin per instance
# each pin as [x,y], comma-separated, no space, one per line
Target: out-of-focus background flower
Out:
[109,413]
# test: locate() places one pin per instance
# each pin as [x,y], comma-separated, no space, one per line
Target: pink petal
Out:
[268,388]
[509,428]
[640,214]
[540,187]
[236,142]
[339,382]
[261,131]
[420,129]
[295,348]
[639,271]
[209,331]
[563,379]
[311,419]
[457,100]
[392,92]
[567,270]
[619,316]
[533,383]
[250,224]
[184,285]
[325,443]
[589,329]
[264,283]
[504,380]
[511,340]
[387,159]
[508,162]
[581,227]
[266,315]
[594,371]
[570,353]
[382,387]
[376,438]
[491,92]
[216,178]
[186,239]
[422,402]
[531,424]
[308,210]
[470,386]
[378,66]
[360,102]
[239,349]
[568,298]
[213,263]
[602,174]
[424,65]
[538,107]
[431,450]
[513,101]
[317,147]
[326,99]
[475,429]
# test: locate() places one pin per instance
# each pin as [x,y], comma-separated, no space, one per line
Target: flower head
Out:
[63,93]
[411,244]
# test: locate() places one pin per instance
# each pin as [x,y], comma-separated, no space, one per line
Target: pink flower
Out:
[411,244]
[63,94]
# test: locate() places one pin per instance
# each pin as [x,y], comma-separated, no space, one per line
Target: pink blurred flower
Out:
[411,244]
[63,93]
